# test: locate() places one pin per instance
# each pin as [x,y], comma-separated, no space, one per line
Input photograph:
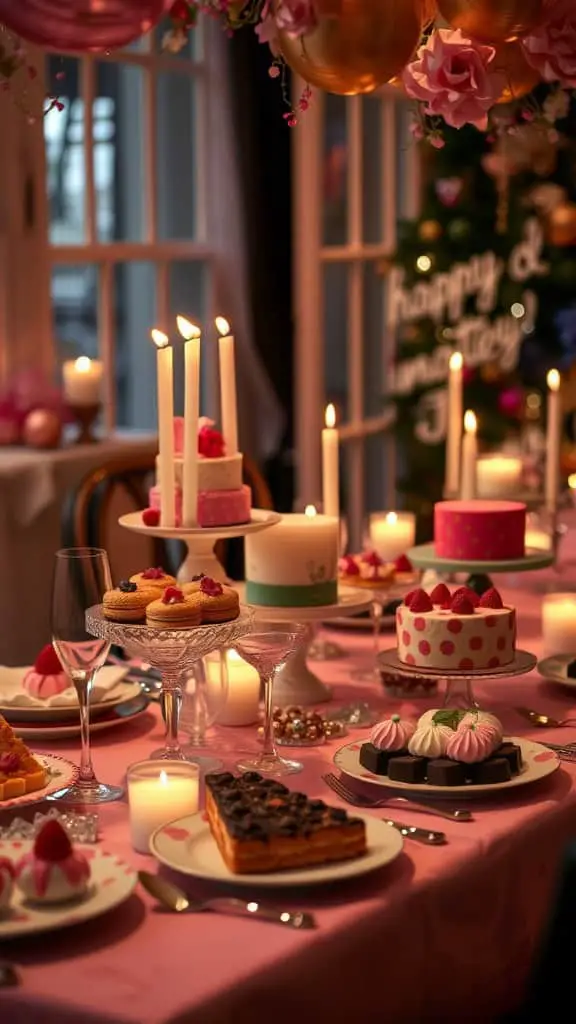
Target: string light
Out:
[424,263]
[518,310]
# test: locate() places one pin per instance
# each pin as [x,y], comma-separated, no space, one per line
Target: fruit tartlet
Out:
[53,872]
[128,602]
[153,577]
[175,610]
[365,570]
[20,772]
[218,602]
[47,678]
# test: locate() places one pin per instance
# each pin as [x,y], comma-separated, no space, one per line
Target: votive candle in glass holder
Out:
[242,706]
[392,533]
[559,624]
[159,792]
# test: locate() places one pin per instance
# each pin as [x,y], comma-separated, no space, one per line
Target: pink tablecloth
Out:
[444,933]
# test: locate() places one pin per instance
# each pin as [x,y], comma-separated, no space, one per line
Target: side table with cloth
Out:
[443,934]
[33,486]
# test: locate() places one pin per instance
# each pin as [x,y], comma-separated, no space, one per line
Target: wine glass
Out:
[267,652]
[81,577]
[203,700]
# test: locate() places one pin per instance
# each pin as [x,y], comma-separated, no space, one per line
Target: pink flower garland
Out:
[552,48]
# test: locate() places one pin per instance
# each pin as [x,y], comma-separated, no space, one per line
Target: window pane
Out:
[64,138]
[118,152]
[136,314]
[187,295]
[74,305]
[335,171]
[336,335]
[373,180]
[176,156]
[373,340]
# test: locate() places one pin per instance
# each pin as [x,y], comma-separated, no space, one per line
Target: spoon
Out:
[544,721]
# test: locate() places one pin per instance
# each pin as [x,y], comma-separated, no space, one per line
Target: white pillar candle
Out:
[537,539]
[159,792]
[498,476]
[559,624]
[165,390]
[228,411]
[82,379]
[330,466]
[243,699]
[454,425]
[469,456]
[553,433]
[191,334]
[392,533]
[302,552]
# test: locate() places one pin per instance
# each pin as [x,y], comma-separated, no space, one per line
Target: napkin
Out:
[12,692]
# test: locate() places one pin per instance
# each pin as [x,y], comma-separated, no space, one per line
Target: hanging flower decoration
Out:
[551,49]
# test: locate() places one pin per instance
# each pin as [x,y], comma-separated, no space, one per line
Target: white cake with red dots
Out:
[456,631]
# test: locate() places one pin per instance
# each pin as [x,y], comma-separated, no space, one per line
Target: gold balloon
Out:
[520,77]
[493,21]
[357,45]
[562,225]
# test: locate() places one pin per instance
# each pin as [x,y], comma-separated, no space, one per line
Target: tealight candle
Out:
[159,792]
[392,533]
[559,624]
[498,476]
[82,379]
[243,699]
[537,539]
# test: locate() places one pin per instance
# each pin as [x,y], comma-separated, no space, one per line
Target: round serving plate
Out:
[523,662]
[554,669]
[538,762]
[120,714]
[187,845]
[61,775]
[33,713]
[260,519]
[424,557]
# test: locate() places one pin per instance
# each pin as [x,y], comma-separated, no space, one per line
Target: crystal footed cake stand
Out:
[173,652]
[200,541]
[459,685]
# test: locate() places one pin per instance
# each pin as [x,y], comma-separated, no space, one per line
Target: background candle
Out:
[498,476]
[243,698]
[82,380]
[553,430]
[159,792]
[165,386]
[559,624]
[392,533]
[454,427]
[191,334]
[228,411]
[469,456]
[330,467]
[537,538]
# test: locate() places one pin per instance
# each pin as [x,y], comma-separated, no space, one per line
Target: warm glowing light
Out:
[330,416]
[553,380]
[222,325]
[424,264]
[470,422]
[233,655]
[187,329]
[518,310]
[534,400]
[310,510]
[572,481]
[391,518]
[160,339]
[456,361]
[83,364]
[163,779]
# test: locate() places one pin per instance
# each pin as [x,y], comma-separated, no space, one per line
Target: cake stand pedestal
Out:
[424,557]
[295,683]
[200,541]
[459,685]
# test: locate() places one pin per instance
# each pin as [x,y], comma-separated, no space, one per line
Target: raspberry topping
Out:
[349,566]
[441,595]
[151,517]
[9,763]
[127,587]
[403,564]
[52,842]
[491,599]
[420,602]
[409,597]
[211,587]
[210,441]
[172,595]
[372,558]
[48,663]
[153,574]
[470,595]
[461,604]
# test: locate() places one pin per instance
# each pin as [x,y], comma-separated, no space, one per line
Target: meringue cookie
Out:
[392,734]
[483,718]
[472,743]
[430,740]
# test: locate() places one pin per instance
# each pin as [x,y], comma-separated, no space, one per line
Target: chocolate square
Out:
[444,772]
[487,773]
[376,760]
[513,754]
[407,769]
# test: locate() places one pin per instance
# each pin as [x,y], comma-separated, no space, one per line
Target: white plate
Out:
[187,845]
[61,773]
[260,519]
[119,694]
[112,882]
[538,763]
[118,715]
[554,669]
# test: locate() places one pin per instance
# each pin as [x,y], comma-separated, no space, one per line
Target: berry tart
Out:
[366,570]
[47,678]
[20,772]
[53,872]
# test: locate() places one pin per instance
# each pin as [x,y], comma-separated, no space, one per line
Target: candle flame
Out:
[572,481]
[470,422]
[222,326]
[310,511]
[187,329]
[391,518]
[456,361]
[83,364]
[553,380]
[160,339]
[163,778]
[233,655]
[330,416]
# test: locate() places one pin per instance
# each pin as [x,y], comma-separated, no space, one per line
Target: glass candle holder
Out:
[242,702]
[159,792]
[559,624]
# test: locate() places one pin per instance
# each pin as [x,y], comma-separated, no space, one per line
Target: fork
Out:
[543,721]
[338,786]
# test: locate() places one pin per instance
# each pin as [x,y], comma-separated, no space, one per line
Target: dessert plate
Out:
[554,669]
[187,845]
[112,882]
[538,762]
[118,694]
[128,711]
[61,774]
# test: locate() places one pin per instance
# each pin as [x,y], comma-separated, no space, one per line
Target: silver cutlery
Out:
[543,721]
[173,898]
[420,835]
[344,791]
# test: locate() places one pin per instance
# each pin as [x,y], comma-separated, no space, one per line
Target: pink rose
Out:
[551,49]
[267,31]
[452,76]
[296,17]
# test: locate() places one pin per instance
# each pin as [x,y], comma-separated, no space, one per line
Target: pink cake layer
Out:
[479,531]
[215,508]
[444,640]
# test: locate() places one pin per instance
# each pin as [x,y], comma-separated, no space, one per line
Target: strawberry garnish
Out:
[153,574]
[52,842]
[461,604]
[420,601]
[371,558]
[491,599]
[349,566]
[469,594]
[441,595]
[48,663]
[211,587]
[403,564]
[151,517]
[172,595]
[409,597]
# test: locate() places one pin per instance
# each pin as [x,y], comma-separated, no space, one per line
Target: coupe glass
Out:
[267,652]
[81,577]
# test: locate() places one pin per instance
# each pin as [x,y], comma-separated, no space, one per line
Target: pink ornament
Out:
[511,402]
[551,49]
[84,25]
[42,429]
[452,77]
[449,190]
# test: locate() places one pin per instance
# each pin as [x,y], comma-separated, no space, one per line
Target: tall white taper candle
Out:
[165,386]
[454,425]
[553,434]
[228,410]
[330,467]
[191,334]
[469,455]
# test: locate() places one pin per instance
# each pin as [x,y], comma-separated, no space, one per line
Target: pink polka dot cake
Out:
[456,631]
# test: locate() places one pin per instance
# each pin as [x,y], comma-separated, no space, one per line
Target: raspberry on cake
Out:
[53,872]
[47,678]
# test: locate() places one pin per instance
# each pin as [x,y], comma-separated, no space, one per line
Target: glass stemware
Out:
[81,577]
[267,652]
[203,700]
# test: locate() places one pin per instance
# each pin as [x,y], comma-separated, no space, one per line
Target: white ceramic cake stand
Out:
[294,683]
[200,541]
[459,685]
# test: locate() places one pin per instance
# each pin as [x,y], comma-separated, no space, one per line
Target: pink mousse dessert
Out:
[53,871]
[47,678]
[7,873]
